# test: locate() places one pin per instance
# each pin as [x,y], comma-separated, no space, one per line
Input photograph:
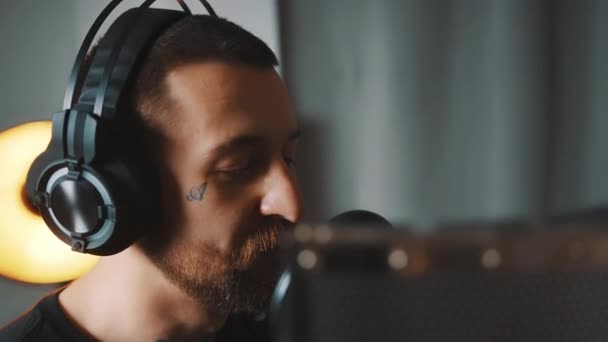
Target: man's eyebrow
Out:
[247,140]
[295,135]
[236,143]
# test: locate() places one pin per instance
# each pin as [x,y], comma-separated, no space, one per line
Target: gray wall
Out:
[39,43]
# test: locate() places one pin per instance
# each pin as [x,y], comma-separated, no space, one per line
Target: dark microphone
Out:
[359,217]
[351,218]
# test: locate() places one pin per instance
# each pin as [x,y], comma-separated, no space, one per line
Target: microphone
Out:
[359,217]
[280,296]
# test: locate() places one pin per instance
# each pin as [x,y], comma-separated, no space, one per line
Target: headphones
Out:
[94,186]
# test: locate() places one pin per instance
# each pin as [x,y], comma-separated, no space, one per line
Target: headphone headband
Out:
[68,100]
[117,55]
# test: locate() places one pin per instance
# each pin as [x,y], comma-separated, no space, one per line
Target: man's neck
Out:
[125,297]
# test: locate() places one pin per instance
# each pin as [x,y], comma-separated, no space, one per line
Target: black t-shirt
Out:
[47,322]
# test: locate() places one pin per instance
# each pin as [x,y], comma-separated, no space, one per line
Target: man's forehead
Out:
[218,101]
[221,80]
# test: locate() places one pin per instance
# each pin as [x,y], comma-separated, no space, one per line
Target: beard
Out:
[242,282]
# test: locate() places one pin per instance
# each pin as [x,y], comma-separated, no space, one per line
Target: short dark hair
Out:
[195,38]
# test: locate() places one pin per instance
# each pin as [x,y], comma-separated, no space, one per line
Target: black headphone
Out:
[94,186]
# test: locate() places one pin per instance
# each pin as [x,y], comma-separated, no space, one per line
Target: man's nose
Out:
[281,196]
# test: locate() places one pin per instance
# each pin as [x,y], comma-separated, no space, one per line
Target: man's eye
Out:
[235,172]
[289,161]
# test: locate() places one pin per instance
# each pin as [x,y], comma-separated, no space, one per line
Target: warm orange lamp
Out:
[29,251]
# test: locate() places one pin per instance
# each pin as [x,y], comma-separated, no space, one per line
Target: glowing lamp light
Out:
[29,251]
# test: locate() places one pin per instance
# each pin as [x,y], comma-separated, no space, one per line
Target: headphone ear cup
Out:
[134,191]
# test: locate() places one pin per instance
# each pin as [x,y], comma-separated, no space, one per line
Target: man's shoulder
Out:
[43,322]
[24,328]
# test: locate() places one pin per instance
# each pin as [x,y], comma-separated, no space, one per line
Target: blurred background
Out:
[424,111]
[435,110]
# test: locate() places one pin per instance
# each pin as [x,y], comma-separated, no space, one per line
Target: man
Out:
[220,121]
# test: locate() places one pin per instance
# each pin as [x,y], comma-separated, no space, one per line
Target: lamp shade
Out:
[29,251]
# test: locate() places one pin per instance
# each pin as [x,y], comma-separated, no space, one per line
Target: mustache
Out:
[260,241]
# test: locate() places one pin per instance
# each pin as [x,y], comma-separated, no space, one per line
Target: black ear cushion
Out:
[40,164]
[135,192]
